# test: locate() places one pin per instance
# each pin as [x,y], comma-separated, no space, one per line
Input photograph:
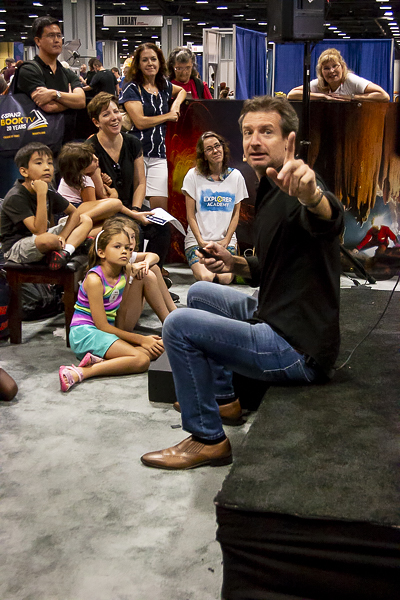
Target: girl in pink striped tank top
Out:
[98,339]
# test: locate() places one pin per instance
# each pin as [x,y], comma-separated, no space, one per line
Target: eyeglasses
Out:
[54,36]
[211,149]
[332,68]
[180,69]
[117,169]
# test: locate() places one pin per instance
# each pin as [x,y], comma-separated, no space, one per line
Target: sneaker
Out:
[174,297]
[168,282]
[58,259]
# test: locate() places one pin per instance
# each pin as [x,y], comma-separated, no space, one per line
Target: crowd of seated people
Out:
[108,187]
[110,184]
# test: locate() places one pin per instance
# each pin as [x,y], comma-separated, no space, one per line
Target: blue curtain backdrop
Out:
[372,59]
[251,64]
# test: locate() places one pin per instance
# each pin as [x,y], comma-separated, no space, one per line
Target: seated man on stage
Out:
[293,333]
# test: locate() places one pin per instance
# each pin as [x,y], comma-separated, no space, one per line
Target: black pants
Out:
[159,237]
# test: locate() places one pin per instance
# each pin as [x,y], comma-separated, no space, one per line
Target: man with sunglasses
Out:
[52,87]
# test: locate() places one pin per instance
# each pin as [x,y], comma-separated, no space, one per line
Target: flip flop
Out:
[66,378]
[90,359]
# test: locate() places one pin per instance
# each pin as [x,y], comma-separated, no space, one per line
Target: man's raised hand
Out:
[295,178]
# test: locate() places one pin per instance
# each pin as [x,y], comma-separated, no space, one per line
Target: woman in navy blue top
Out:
[146,96]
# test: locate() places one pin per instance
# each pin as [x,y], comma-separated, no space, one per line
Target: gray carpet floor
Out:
[81,517]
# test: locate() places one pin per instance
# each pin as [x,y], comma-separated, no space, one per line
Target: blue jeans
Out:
[208,340]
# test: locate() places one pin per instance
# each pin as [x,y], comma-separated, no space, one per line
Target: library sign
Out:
[133,21]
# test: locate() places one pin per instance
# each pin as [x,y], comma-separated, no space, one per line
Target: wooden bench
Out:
[68,278]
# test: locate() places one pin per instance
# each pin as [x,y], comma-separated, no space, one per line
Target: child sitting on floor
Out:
[28,209]
[145,282]
[97,331]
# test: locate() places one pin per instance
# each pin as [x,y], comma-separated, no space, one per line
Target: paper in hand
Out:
[161,216]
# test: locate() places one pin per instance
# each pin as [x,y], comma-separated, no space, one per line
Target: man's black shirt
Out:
[103,81]
[30,78]
[297,266]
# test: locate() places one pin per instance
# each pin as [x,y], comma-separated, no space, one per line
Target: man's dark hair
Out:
[40,23]
[97,63]
[289,118]
[25,153]
[202,163]
[10,60]
[99,103]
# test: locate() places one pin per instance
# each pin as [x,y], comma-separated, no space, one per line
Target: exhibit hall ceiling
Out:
[344,19]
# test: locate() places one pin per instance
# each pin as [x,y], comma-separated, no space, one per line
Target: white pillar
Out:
[110,54]
[79,24]
[171,34]
[396,79]
[29,52]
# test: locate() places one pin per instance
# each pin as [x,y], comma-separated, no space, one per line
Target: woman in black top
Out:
[120,155]
[121,159]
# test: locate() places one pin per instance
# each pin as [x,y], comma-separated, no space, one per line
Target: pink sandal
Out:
[66,378]
[90,359]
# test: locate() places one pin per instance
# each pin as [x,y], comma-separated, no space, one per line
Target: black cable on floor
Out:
[372,329]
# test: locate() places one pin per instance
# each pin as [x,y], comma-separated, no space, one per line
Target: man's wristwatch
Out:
[58,94]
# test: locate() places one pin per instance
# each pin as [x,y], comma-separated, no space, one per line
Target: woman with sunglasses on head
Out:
[146,94]
[120,155]
[182,71]
[335,82]
[213,194]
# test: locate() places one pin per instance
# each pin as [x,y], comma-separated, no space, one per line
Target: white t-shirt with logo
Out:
[353,84]
[215,201]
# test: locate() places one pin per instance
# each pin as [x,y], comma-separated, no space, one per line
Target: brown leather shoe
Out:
[231,414]
[189,454]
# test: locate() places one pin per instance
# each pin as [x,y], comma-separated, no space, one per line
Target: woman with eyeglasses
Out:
[182,70]
[335,82]
[213,193]
[120,155]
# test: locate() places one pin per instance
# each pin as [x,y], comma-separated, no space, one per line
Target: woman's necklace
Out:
[151,88]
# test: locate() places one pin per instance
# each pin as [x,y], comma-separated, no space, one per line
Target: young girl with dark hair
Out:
[83,187]
[97,335]
[145,281]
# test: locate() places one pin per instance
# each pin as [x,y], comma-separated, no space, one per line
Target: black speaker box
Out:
[295,20]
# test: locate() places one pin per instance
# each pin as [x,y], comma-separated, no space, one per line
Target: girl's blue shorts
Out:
[87,338]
